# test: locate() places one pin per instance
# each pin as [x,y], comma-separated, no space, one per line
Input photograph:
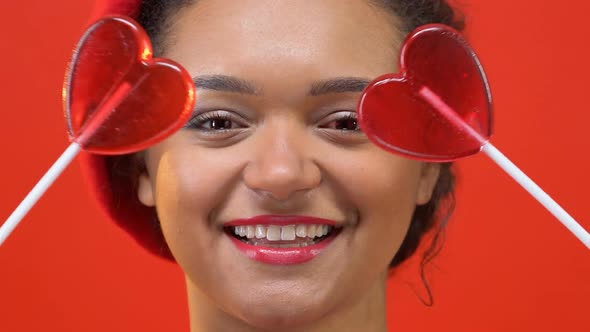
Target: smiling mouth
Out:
[287,236]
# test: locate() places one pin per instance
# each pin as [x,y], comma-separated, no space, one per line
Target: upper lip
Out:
[281,220]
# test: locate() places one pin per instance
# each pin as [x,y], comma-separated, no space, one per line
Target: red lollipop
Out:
[439,109]
[117,99]
[438,58]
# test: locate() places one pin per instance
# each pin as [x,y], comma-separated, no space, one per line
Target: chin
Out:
[275,317]
[280,309]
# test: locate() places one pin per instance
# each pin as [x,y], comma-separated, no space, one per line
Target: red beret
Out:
[115,7]
[119,200]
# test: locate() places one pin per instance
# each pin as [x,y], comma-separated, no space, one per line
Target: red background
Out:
[507,265]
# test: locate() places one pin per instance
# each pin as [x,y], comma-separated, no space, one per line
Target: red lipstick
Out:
[282,256]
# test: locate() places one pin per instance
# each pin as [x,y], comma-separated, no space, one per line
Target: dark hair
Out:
[154,17]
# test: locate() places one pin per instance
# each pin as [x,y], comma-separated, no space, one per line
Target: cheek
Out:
[379,182]
[189,184]
[384,188]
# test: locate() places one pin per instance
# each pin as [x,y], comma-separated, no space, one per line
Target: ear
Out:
[145,191]
[428,179]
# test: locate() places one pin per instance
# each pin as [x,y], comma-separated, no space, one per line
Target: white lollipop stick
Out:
[103,112]
[508,167]
[40,188]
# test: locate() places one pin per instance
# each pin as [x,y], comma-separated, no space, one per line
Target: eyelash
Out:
[347,117]
[199,122]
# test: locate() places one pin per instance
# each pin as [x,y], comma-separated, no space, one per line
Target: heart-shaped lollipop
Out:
[439,108]
[396,117]
[117,98]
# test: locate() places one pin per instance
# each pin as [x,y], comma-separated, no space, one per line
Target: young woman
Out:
[281,213]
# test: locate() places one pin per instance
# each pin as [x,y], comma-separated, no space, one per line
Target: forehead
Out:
[285,38]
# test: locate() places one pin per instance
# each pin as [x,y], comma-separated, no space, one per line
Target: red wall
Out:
[507,265]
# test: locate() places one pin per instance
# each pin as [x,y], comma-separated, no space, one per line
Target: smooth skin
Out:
[274,132]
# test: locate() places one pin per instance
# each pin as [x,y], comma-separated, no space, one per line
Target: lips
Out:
[282,240]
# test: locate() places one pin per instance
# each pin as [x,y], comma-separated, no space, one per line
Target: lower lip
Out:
[282,256]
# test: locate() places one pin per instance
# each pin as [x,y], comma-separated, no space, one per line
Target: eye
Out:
[216,121]
[342,121]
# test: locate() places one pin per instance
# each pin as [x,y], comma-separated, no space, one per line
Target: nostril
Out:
[278,177]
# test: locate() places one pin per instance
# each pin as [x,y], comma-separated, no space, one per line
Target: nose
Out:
[282,165]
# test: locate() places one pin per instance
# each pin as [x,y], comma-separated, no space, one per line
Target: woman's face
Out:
[274,143]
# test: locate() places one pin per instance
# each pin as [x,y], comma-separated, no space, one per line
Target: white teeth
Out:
[260,232]
[250,232]
[311,231]
[288,233]
[284,233]
[273,233]
[301,231]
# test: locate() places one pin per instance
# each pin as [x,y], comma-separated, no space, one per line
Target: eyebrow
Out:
[339,85]
[226,84]
[233,84]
